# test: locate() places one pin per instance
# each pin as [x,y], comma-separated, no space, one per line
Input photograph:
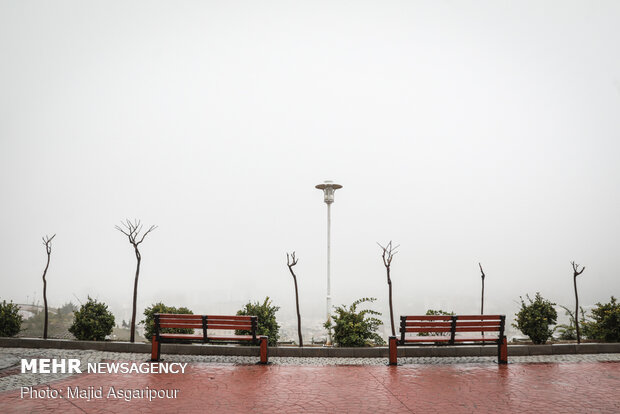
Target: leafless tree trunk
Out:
[482,301]
[132,230]
[482,297]
[388,255]
[290,262]
[47,242]
[577,272]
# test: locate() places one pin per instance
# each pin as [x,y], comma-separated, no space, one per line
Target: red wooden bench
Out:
[448,330]
[205,324]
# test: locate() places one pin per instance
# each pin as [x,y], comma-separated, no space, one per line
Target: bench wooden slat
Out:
[438,324]
[229,327]
[211,323]
[230,338]
[428,329]
[482,323]
[429,318]
[182,321]
[428,339]
[231,318]
[479,317]
[170,320]
[488,339]
[477,329]
[179,316]
[180,336]
[180,325]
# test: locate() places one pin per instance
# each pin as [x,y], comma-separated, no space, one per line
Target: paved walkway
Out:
[566,383]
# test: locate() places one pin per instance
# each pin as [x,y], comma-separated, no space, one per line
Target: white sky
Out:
[463,131]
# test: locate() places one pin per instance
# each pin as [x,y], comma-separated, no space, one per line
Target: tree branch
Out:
[147,232]
[121,230]
[388,253]
[576,271]
[133,230]
[294,260]
[47,242]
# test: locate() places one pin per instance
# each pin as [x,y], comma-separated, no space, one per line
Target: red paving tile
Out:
[543,388]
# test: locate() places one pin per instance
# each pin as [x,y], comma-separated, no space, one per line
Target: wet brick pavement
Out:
[579,383]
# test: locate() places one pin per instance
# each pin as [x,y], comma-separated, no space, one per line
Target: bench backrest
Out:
[480,323]
[205,322]
[450,325]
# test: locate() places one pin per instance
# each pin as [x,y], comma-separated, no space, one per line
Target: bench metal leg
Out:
[155,349]
[264,357]
[393,350]
[502,354]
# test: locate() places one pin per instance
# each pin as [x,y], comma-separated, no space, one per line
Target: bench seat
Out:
[230,338]
[194,337]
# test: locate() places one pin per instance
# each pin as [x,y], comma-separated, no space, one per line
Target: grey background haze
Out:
[463,131]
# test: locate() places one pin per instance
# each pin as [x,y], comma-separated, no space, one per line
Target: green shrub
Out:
[436,312]
[605,325]
[431,312]
[568,332]
[267,324]
[354,329]
[92,322]
[149,320]
[534,319]
[10,319]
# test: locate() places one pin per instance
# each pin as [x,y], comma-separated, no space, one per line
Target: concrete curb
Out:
[312,352]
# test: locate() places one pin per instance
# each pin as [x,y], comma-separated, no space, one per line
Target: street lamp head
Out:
[328,188]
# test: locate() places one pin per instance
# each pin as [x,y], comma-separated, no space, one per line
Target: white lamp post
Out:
[328,188]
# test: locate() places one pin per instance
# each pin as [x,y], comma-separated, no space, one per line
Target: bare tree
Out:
[388,255]
[482,276]
[577,272]
[47,242]
[290,262]
[132,230]
[482,302]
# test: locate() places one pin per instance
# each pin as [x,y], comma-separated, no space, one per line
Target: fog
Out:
[465,132]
